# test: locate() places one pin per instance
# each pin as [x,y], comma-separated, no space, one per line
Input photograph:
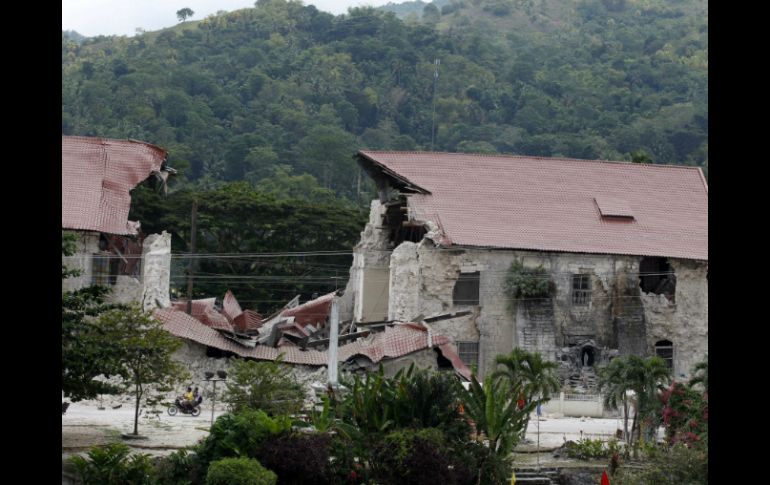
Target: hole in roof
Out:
[612,207]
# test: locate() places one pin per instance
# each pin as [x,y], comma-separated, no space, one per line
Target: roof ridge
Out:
[529,157]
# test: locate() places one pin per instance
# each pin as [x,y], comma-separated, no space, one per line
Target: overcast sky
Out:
[122,17]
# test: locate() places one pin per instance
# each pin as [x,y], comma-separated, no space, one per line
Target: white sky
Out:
[122,17]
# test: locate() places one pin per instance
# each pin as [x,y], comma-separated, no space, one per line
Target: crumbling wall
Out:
[156,271]
[371,252]
[684,321]
[86,245]
[617,318]
[151,291]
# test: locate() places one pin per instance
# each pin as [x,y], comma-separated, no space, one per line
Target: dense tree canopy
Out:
[236,94]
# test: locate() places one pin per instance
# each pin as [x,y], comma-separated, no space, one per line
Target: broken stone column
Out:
[156,271]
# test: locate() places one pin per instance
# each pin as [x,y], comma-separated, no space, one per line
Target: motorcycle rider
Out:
[189,399]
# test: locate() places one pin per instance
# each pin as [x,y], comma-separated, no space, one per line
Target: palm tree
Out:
[529,376]
[701,374]
[646,378]
[613,385]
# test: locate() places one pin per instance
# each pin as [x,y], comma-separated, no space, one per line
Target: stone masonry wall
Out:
[150,291]
[423,278]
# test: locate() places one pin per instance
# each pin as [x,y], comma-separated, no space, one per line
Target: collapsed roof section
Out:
[294,329]
[547,204]
[97,176]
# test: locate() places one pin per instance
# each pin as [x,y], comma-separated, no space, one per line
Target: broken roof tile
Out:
[97,176]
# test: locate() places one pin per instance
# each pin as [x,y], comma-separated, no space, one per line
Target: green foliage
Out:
[86,351]
[145,352]
[298,458]
[112,465]
[678,465]
[588,449]
[174,469]
[184,13]
[413,398]
[239,434]
[646,378]
[522,283]
[236,218]
[282,83]
[239,471]
[266,385]
[410,456]
[701,375]
[685,414]
[529,377]
[497,416]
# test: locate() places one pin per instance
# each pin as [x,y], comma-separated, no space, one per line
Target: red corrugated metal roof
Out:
[313,311]
[394,342]
[548,204]
[230,307]
[97,175]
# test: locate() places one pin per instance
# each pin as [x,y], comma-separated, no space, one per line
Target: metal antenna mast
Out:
[437,63]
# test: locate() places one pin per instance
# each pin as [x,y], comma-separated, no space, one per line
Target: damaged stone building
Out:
[97,177]
[623,246]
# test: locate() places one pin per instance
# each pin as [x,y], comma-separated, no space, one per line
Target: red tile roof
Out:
[396,341]
[230,307]
[312,312]
[552,204]
[97,175]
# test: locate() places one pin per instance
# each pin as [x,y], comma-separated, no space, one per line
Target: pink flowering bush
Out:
[684,414]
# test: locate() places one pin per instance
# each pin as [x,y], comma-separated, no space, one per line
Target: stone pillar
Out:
[156,271]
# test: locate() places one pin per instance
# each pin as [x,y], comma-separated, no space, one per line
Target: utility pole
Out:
[193,232]
[334,322]
[437,62]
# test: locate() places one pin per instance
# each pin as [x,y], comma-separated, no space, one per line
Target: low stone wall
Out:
[576,405]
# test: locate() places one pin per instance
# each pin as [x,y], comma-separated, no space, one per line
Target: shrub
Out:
[112,465]
[588,449]
[414,398]
[298,458]
[521,282]
[417,456]
[239,471]
[174,469]
[678,465]
[269,386]
[482,465]
[238,435]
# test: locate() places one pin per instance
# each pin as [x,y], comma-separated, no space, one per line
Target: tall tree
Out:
[642,378]
[184,13]
[146,353]
[613,385]
[86,352]
[530,378]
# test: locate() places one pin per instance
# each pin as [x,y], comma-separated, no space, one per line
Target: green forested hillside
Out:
[284,88]
[262,109]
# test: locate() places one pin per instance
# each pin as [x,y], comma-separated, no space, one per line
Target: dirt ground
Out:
[86,425]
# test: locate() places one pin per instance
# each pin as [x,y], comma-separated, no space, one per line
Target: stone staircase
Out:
[533,476]
[585,382]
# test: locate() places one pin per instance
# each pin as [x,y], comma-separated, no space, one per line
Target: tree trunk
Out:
[633,428]
[625,421]
[136,409]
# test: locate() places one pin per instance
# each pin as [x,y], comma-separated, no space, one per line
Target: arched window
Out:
[665,350]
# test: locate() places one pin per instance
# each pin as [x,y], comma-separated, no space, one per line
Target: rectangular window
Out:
[469,352]
[466,290]
[666,352]
[103,270]
[581,289]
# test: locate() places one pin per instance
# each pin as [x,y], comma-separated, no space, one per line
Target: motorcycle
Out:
[183,406]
